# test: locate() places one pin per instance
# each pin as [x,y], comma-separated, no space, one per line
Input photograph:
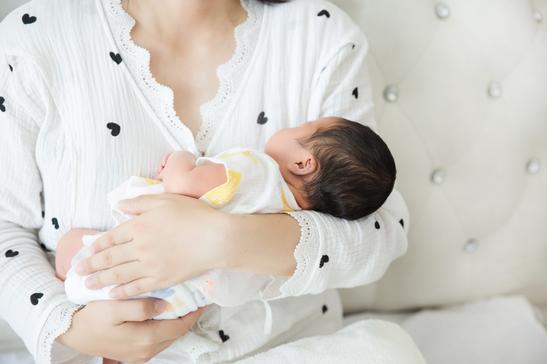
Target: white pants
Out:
[364,342]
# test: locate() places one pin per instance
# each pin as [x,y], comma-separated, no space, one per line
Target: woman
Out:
[93,91]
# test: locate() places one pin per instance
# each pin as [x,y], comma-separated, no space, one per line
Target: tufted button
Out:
[438,176]
[538,16]
[533,166]
[442,10]
[494,90]
[391,93]
[471,246]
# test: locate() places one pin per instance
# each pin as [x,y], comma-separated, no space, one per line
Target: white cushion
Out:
[446,119]
[503,330]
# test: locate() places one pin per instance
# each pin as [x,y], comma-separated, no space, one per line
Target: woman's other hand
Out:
[173,239]
[124,331]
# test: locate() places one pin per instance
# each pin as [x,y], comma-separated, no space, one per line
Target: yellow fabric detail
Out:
[286,206]
[151,181]
[174,303]
[245,153]
[221,195]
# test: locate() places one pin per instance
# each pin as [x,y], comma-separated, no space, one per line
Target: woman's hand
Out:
[173,239]
[123,330]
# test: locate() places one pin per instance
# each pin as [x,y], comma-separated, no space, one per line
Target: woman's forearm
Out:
[262,243]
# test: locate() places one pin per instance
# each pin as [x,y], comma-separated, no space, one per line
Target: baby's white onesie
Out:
[254,185]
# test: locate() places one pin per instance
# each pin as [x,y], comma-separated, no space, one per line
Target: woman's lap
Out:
[367,341]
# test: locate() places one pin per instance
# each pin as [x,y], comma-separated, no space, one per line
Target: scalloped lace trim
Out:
[297,282]
[57,323]
[230,74]
[160,97]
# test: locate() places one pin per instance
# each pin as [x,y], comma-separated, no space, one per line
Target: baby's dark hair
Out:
[356,171]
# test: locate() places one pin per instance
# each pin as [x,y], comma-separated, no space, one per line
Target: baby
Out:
[330,165]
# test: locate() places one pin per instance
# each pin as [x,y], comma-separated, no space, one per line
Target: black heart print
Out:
[324,309]
[11,253]
[55,223]
[356,92]
[377,225]
[223,336]
[27,19]
[116,57]
[324,13]
[2,106]
[35,297]
[402,223]
[114,129]
[324,259]
[10,67]
[262,119]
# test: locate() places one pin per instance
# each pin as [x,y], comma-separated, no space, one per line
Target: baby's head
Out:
[335,166]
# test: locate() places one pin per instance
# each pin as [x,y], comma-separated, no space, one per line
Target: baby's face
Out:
[284,145]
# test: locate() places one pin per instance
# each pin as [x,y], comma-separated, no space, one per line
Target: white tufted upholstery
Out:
[480,137]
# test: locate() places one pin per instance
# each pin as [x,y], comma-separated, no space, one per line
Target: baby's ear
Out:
[304,166]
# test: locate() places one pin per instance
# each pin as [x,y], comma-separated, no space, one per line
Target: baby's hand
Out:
[162,165]
[175,163]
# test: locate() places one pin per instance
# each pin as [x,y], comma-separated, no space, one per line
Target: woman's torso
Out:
[108,119]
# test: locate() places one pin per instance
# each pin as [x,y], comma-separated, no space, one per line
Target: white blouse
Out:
[80,112]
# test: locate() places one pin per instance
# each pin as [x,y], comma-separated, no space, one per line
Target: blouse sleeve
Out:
[335,253]
[32,299]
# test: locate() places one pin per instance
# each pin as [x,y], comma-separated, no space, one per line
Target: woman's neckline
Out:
[159,97]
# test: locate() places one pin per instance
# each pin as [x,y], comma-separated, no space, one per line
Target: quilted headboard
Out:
[460,91]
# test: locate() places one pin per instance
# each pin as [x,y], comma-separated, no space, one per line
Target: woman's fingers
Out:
[134,288]
[106,259]
[119,274]
[136,310]
[119,235]
[142,204]
[157,335]
[168,330]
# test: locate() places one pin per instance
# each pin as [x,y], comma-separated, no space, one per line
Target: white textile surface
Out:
[503,330]
[363,342]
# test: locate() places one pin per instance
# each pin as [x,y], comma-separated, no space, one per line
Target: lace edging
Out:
[137,60]
[160,97]
[57,323]
[230,74]
[298,282]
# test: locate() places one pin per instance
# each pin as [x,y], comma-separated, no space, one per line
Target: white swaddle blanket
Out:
[254,185]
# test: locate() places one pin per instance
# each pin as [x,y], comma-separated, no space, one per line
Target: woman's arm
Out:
[327,252]
[32,299]
[262,243]
[323,251]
